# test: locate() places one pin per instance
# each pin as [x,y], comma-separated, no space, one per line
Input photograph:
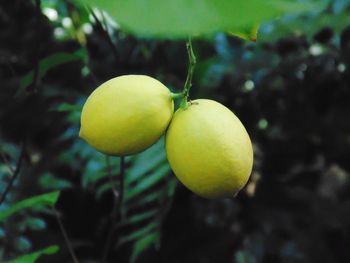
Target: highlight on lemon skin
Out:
[126,115]
[209,149]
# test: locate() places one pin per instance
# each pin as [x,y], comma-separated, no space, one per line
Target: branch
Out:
[9,166]
[117,206]
[65,236]
[36,63]
[105,32]
[14,175]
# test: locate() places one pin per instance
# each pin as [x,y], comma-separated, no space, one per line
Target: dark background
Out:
[291,90]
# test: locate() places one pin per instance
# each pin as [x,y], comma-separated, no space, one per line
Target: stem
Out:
[175,96]
[117,206]
[65,236]
[37,51]
[191,66]
[121,182]
[9,167]
[110,175]
[14,176]
[105,32]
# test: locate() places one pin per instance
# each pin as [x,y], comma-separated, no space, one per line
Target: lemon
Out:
[209,149]
[126,115]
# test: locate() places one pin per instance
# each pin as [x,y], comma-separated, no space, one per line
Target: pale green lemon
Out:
[126,115]
[209,149]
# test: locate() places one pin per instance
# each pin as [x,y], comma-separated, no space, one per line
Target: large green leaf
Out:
[44,199]
[181,18]
[32,257]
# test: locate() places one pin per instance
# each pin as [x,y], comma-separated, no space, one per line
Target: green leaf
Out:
[48,63]
[32,257]
[22,244]
[138,234]
[181,18]
[148,182]
[140,217]
[51,182]
[44,199]
[66,107]
[143,166]
[36,223]
[142,200]
[250,33]
[142,244]
[244,257]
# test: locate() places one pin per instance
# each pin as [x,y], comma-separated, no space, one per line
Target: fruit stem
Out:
[188,84]
[175,96]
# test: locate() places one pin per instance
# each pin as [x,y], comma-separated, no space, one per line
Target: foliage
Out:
[169,19]
[45,199]
[32,257]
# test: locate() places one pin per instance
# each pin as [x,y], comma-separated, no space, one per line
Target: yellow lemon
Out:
[126,115]
[209,149]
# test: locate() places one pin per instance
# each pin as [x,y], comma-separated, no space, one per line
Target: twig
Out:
[117,206]
[9,166]
[191,66]
[121,180]
[65,236]
[36,63]
[14,175]
[106,33]
[110,175]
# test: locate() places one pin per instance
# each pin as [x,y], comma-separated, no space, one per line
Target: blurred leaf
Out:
[310,24]
[48,63]
[44,199]
[36,223]
[142,200]
[32,257]
[66,107]
[23,244]
[50,182]
[142,244]
[179,19]
[140,217]
[147,182]
[138,233]
[2,233]
[250,33]
[244,257]
[145,163]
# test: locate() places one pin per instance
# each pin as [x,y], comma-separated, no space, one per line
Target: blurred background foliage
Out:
[291,89]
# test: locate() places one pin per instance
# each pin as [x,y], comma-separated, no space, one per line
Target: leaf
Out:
[66,107]
[48,63]
[143,166]
[250,33]
[142,200]
[181,18]
[244,257]
[147,182]
[36,223]
[44,199]
[138,234]
[142,244]
[32,257]
[51,182]
[22,244]
[139,217]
